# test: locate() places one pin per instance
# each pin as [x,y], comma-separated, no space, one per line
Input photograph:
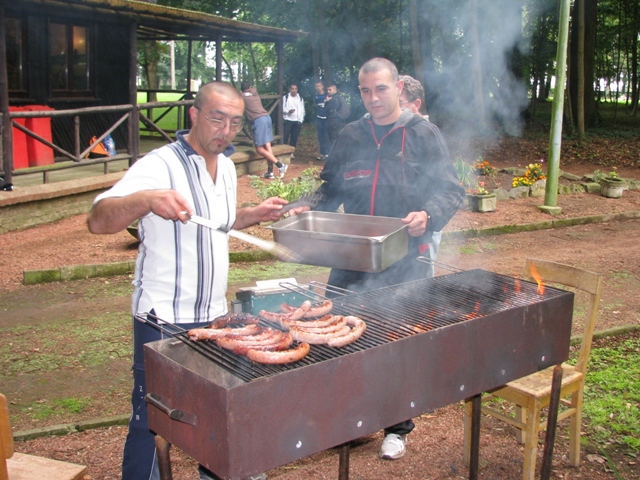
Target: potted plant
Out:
[480,199]
[611,185]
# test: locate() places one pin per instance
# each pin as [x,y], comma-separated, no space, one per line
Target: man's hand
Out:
[417,223]
[264,212]
[111,215]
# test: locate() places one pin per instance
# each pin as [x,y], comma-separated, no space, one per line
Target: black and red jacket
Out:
[407,170]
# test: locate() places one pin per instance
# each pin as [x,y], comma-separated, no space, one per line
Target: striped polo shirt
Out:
[181,269]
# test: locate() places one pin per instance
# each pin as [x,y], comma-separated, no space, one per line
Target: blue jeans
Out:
[139,460]
[323,135]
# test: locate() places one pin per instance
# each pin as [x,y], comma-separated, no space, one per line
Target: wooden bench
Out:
[20,466]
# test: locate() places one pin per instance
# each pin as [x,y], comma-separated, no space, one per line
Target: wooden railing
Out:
[79,156]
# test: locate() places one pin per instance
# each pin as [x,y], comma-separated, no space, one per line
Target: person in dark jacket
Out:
[390,163]
[337,110]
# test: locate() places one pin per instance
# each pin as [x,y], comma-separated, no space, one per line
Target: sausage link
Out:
[358,328]
[337,322]
[316,311]
[270,338]
[284,343]
[321,322]
[301,335]
[286,356]
[242,318]
[199,334]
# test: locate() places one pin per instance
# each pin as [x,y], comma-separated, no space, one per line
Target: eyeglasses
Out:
[234,125]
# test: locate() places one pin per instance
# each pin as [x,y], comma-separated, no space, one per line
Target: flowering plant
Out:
[613,173]
[531,175]
[483,167]
[479,189]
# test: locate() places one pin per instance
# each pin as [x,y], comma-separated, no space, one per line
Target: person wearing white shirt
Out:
[182,269]
[293,110]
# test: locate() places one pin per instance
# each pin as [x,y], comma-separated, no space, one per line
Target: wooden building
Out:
[72,54]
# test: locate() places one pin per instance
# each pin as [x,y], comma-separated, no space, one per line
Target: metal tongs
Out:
[280,251]
[308,200]
[435,263]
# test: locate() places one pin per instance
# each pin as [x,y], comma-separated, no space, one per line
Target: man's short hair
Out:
[245,86]
[378,63]
[413,88]
[222,88]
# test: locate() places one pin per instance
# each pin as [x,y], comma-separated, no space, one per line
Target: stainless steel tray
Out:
[339,240]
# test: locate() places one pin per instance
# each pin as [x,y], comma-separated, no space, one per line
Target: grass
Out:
[612,395]
[68,344]
[59,406]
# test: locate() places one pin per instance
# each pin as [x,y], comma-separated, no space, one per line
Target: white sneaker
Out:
[283,169]
[393,447]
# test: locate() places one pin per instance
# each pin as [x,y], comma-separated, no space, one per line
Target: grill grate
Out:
[396,312]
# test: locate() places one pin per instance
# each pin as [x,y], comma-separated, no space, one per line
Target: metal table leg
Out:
[343,471]
[164,460]
[552,420]
[474,454]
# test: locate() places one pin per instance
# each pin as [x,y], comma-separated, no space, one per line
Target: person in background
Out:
[412,98]
[390,163]
[261,129]
[293,110]
[321,121]
[182,269]
[338,112]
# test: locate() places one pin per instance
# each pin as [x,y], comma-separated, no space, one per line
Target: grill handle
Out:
[173,413]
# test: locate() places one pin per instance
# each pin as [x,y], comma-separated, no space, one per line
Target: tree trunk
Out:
[476,65]
[580,100]
[590,18]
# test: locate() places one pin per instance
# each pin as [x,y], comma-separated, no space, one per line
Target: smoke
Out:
[464,63]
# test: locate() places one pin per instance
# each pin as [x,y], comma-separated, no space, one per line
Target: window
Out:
[70,59]
[16,58]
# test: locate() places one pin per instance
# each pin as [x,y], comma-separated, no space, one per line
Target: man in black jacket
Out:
[338,112]
[390,163]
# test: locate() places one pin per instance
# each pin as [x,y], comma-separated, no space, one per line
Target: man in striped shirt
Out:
[182,268]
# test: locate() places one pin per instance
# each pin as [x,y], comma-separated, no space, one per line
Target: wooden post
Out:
[134,124]
[279,115]
[5,127]
[219,57]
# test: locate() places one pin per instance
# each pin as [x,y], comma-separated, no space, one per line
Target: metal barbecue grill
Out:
[428,343]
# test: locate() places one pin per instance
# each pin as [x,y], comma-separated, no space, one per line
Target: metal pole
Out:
[343,466]
[474,455]
[552,421]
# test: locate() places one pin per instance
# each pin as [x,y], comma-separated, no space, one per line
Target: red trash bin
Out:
[20,153]
[39,153]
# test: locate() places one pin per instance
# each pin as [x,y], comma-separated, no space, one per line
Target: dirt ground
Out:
[435,447]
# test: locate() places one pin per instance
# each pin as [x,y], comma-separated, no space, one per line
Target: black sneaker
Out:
[268,175]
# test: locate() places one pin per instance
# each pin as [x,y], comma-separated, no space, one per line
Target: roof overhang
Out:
[159,22]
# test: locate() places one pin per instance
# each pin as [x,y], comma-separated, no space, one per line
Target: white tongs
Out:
[280,251]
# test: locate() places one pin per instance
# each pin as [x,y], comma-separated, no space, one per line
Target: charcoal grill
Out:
[429,343]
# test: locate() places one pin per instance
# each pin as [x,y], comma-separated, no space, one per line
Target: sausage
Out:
[301,335]
[319,310]
[321,322]
[284,343]
[214,333]
[337,322]
[276,317]
[269,338]
[286,356]
[242,318]
[358,328]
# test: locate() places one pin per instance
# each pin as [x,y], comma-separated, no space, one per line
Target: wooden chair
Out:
[18,466]
[531,394]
